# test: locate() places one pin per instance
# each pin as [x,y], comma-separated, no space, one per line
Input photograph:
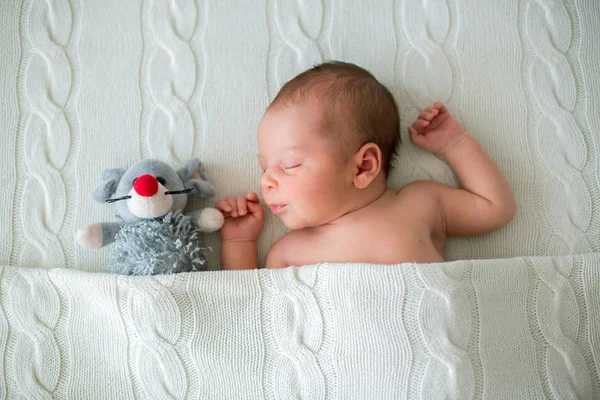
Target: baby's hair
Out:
[353,99]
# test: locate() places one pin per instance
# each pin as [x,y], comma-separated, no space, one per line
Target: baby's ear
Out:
[194,176]
[368,165]
[106,188]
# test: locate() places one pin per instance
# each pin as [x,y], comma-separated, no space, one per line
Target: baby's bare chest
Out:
[389,242]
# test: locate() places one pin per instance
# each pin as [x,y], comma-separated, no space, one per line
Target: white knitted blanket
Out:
[499,329]
[87,85]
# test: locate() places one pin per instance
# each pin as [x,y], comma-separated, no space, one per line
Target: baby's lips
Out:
[277,208]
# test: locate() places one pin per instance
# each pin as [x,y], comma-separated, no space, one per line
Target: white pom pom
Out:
[210,220]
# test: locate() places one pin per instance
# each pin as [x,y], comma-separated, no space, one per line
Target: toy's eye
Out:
[161,180]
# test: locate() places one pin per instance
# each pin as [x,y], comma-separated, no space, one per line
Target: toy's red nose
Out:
[146,185]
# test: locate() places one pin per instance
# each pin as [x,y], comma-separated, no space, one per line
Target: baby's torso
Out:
[397,230]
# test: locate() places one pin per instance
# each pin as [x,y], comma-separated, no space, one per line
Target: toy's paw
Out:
[210,220]
[90,236]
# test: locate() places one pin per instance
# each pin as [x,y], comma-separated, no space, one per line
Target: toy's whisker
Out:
[179,191]
[118,199]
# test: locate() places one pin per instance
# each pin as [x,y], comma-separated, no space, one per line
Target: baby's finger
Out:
[412,131]
[223,206]
[439,106]
[252,196]
[415,127]
[231,202]
[415,137]
[226,214]
[241,205]
[426,115]
[432,110]
[256,209]
[420,124]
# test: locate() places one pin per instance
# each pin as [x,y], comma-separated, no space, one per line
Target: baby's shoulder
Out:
[423,193]
[418,202]
[301,239]
[288,241]
[418,188]
[294,248]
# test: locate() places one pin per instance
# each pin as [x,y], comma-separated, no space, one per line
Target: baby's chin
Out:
[296,223]
[292,224]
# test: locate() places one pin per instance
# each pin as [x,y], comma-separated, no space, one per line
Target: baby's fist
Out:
[435,130]
[244,217]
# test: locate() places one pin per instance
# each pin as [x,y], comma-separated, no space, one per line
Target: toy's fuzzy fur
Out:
[164,245]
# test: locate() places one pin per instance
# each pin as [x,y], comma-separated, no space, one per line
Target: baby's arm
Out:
[244,219]
[484,201]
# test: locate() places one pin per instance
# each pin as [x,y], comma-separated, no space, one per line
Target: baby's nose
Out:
[267,182]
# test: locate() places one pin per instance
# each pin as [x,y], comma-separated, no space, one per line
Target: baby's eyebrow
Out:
[291,149]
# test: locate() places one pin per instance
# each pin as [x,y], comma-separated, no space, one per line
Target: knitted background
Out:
[88,85]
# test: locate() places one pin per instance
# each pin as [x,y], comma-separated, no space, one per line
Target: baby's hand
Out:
[436,130]
[244,217]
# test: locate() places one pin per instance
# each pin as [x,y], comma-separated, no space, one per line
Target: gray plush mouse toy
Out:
[153,236]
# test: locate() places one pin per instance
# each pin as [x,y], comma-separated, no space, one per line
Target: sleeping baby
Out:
[325,145]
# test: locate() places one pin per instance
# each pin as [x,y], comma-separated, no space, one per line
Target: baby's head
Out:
[325,143]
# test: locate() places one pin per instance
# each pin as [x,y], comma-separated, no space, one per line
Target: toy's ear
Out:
[106,188]
[194,176]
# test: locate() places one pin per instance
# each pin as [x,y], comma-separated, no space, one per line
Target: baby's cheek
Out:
[301,194]
[321,196]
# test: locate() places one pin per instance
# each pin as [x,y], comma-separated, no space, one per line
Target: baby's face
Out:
[305,178]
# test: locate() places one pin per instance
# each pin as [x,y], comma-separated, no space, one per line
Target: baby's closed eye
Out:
[290,166]
[283,167]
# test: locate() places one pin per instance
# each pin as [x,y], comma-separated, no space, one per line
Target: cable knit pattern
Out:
[426,64]
[307,333]
[590,331]
[423,69]
[155,331]
[35,307]
[298,330]
[567,371]
[46,81]
[298,29]
[171,77]
[3,338]
[88,85]
[444,317]
[557,139]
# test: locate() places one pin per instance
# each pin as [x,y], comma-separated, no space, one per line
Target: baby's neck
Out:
[364,199]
